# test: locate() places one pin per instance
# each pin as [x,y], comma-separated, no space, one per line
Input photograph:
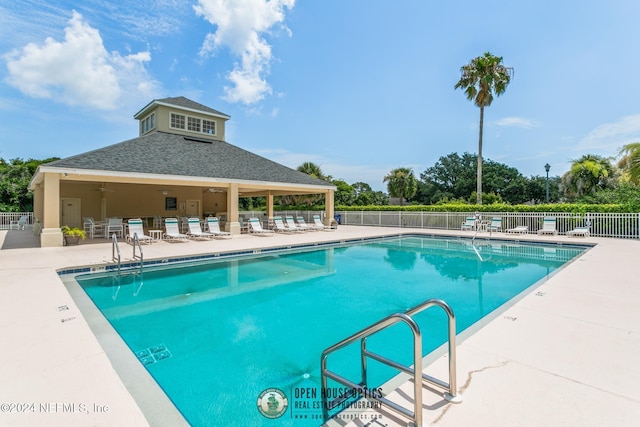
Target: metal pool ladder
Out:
[363,388]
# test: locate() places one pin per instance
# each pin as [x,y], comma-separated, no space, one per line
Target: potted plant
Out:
[72,235]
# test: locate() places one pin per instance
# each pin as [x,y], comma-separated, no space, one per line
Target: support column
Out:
[269,206]
[51,233]
[328,207]
[232,225]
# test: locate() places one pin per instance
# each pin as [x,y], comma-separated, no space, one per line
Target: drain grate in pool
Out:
[153,354]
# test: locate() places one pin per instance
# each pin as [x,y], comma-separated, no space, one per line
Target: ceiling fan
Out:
[103,189]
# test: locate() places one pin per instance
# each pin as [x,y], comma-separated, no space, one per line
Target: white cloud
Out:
[612,136]
[241,25]
[516,122]
[79,70]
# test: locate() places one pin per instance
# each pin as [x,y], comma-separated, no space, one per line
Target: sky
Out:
[358,87]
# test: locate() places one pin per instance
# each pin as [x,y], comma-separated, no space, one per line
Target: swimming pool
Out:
[216,335]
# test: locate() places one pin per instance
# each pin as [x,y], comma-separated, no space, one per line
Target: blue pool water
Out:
[215,335]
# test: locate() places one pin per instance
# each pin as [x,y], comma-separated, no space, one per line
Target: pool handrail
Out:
[451,395]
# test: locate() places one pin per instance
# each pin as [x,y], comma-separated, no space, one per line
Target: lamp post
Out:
[546,168]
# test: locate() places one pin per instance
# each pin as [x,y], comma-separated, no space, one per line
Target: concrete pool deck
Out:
[565,354]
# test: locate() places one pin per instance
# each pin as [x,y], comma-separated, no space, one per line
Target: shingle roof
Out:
[172,154]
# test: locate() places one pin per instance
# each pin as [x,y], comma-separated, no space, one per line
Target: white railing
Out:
[6,218]
[620,225]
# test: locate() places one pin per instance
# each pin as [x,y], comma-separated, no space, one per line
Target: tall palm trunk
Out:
[479,184]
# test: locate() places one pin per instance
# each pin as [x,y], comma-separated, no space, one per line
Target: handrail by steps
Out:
[362,387]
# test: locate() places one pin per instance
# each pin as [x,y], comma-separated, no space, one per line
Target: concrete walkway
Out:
[566,354]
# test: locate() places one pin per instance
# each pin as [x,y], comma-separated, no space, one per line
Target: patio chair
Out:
[214,228]
[520,229]
[495,225]
[91,228]
[136,227]
[172,232]
[293,225]
[114,225]
[579,231]
[320,226]
[469,223]
[195,231]
[20,224]
[255,227]
[548,226]
[303,224]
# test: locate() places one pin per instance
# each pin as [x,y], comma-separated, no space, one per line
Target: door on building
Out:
[193,208]
[70,212]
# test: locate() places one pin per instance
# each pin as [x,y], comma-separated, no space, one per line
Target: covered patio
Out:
[165,172]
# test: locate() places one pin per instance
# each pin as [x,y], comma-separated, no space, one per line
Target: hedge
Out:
[497,207]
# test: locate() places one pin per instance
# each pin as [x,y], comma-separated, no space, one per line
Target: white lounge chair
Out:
[281,227]
[469,223]
[256,228]
[302,223]
[320,226]
[214,228]
[195,231]
[548,226]
[136,227]
[579,231]
[495,225]
[293,225]
[520,229]
[172,232]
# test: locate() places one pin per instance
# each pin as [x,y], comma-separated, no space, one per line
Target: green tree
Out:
[313,170]
[15,176]
[453,178]
[536,189]
[481,78]
[402,183]
[630,162]
[344,194]
[587,175]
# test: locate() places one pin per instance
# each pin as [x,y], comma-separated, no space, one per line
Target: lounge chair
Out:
[135,227]
[320,226]
[256,228]
[303,224]
[469,223]
[214,228]
[20,224]
[293,225]
[579,231]
[281,227]
[172,231]
[521,229]
[195,231]
[548,226]
[495,225]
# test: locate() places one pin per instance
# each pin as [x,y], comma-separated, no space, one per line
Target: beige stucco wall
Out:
[129,201]
[163,120]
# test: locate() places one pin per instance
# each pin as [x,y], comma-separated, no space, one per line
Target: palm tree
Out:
[480,78]
[630,162]
[401,182]
[588,174]
[311,169]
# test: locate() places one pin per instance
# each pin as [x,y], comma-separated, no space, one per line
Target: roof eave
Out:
[154,103]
